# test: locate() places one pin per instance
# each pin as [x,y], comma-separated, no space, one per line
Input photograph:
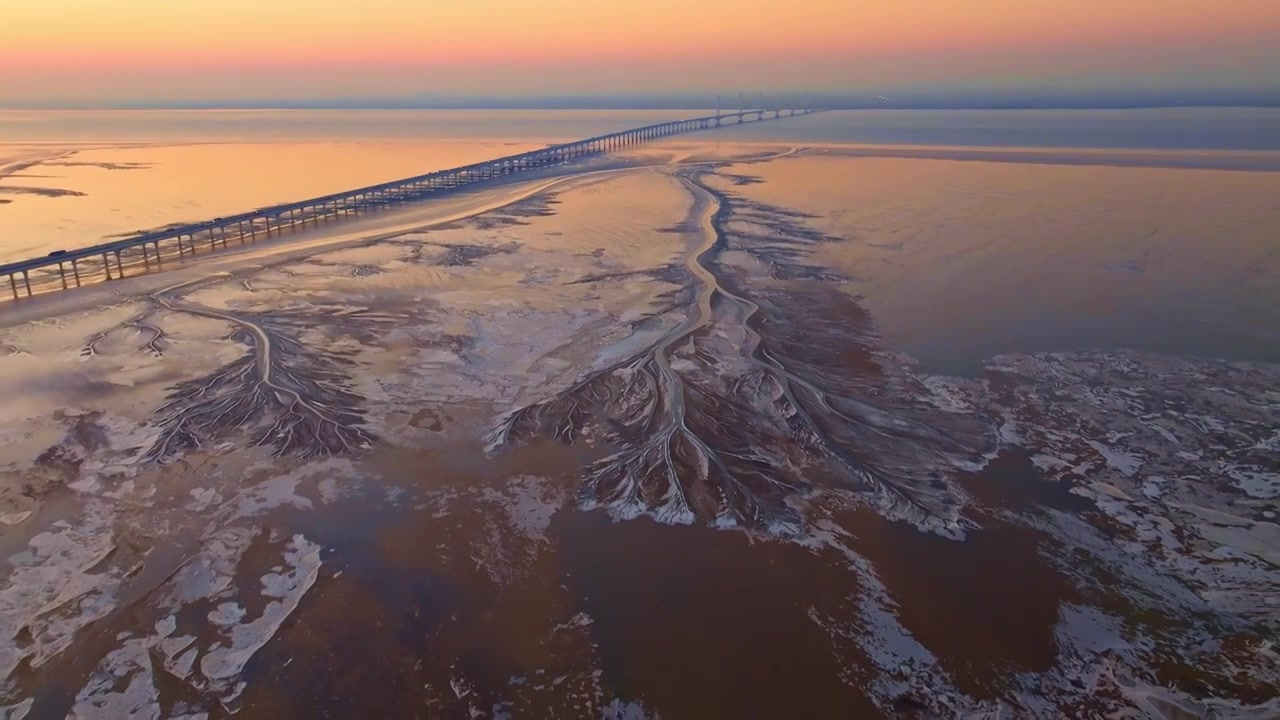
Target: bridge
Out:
[64,269]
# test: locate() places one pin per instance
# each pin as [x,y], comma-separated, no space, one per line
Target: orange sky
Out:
[104,50]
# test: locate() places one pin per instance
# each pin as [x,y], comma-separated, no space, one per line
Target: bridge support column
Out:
[26,280]
[106,263]
[13,281]
[119,266]
[62,273]
[75,272]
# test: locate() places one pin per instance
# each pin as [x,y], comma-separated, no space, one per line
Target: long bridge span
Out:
[65,269]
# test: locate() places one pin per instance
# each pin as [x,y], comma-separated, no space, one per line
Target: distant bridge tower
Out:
[717,111]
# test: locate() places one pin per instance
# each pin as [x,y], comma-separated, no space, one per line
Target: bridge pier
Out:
[14,282]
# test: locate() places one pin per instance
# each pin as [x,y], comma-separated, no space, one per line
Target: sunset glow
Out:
[139,49]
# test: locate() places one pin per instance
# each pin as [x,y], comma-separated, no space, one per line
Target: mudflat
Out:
[720,431]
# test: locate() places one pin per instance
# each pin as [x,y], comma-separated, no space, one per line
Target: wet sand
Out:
[656,442]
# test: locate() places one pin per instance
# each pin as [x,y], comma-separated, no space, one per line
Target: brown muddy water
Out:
[656,443]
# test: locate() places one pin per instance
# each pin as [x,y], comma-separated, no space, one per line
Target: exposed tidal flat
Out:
[721,429]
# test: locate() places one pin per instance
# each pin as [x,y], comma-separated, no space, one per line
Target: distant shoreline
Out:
[525,108]
[1046,101]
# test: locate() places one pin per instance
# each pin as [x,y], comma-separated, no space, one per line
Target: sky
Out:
[122,51]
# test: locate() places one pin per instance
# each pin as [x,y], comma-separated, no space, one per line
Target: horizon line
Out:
[909,98]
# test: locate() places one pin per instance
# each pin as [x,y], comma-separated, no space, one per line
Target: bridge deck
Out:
[248,226]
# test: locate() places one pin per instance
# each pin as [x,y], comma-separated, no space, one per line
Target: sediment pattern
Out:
[284,392]
[772,386]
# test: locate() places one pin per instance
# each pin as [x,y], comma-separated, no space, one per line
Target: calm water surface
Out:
[288,125]
[1171,128]
[1153,129]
